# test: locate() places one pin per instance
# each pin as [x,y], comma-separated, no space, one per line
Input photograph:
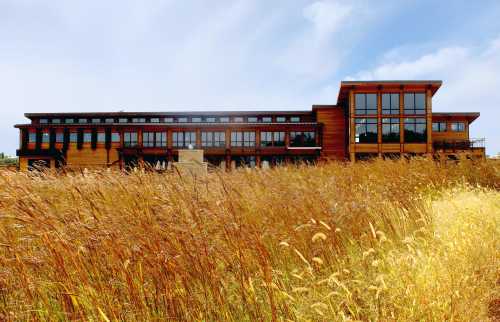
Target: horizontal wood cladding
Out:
[333,122]
[86,157]
[415,148]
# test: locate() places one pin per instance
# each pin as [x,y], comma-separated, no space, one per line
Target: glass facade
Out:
[414,103]
[390,103]
[365,104]
[390,130]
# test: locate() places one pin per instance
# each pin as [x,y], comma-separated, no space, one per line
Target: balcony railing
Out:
[459,144]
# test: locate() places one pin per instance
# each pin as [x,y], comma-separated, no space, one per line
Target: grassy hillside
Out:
[388,241]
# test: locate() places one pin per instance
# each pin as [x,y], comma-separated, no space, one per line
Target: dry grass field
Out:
[379,241]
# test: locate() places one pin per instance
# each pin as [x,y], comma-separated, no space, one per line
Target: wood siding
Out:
[333,139]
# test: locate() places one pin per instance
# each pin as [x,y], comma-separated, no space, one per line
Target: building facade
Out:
[371,119]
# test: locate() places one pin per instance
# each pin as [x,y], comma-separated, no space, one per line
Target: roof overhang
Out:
[447,116]
[347,86]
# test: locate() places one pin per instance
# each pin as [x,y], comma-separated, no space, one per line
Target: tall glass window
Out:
[87,137]
[414,103]
[183,139]
[415,130]
[148,139]
[101,137]
[272,139]
[390,103]
[365,104]
[366,130]
[161,139]
[32,137]
[213,139]
[438,126]
[45,137]
[59,137]
[390,130]
[73,137]
[130,139]
[302,139]
[243,139]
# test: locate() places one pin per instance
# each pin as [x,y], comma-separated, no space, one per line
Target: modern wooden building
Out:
[371,119]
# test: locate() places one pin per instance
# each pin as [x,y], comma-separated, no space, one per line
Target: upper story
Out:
[373,117]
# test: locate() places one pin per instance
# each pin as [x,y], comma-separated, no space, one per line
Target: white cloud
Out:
[471,82]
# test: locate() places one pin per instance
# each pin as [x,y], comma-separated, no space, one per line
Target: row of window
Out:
[187,138]
[415,130]
[183,119]
[442,126]
[366,103]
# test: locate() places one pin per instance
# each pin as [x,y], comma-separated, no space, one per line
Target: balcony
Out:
[459,145]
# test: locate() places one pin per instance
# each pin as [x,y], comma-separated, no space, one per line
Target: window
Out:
[183,139]
[414,103]
[96,120]
[59,137]
[32,137]
[82,121]
[366,130]
[253,119]
[148,139]
[56,121]
[130,139]
[272,139]
[281,119]
[69,121]
[73,137]
[390,130]
[294,119]
[101,137]
[365,104]
[439,126]
[154,120]
[122,120]
[161,139]
[415,130]
[169,120]
[45,137]
[267,119]
[457,127]
[224,119]
[115,137]
[44,121]
[196,119]
[390,103]
[138,120]
[302,139]
[210,119]
[87,137]
[238,119]
[110,120]
[182,119]
[213,139]
[243,139]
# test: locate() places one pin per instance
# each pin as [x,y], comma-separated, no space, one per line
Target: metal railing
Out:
[459,144]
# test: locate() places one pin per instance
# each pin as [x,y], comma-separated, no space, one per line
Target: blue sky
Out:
[162,55]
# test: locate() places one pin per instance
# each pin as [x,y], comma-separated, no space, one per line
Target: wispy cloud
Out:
[471,81]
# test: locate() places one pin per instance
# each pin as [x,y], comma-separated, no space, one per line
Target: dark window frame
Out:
[439,126]
[361,106]
[391,109]
[413,109]
[213,139]
[302,139]
[366,130]
[391,131]
[415,130]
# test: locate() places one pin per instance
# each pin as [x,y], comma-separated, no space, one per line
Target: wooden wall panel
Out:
[87,158]
[334,131]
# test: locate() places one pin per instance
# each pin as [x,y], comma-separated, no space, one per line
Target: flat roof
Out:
[469,116]
[345,86]
[178,113]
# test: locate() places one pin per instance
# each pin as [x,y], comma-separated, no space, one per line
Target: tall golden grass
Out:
[385,240]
